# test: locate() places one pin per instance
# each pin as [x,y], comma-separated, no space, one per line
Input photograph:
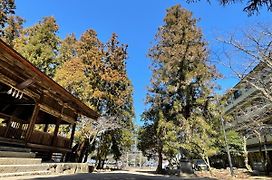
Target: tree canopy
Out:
[39,44]
[96,73]
[7,7]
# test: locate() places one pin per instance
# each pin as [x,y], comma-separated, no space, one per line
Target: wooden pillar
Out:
[45,128]
[8,126]
[72,134]
[56,130]
[32,122]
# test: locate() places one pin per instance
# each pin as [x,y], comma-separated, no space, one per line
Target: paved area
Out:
[115,175]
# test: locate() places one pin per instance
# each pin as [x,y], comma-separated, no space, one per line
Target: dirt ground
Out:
[224,174]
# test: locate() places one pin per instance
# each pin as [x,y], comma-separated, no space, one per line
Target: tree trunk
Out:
[260,150]
[82,150]
[99,165]
[159,167]
[116,163]
[266,158]
[246,155]
[86,156]
[207,162]
[103,163]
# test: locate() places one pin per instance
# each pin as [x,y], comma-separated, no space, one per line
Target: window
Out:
[237,94]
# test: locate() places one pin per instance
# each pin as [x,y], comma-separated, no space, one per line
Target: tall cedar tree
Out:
[39,44]
[71,73]
[181,84]
[117,101]
[80,73]
[90,51]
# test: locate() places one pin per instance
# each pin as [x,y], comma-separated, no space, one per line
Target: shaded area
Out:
[116,176]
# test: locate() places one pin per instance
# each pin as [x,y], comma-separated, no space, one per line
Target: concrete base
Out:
[17,154]
[16,161]
[48,168]
[69,168]
[22,168]
[31,173]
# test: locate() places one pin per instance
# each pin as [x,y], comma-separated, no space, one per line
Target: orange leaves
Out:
[96,73]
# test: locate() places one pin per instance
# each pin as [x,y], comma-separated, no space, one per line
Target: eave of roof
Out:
[81,107]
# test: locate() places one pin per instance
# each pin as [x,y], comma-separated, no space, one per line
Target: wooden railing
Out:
[62,142]
[3,130]
[41,138]
[44,138]
[14,128]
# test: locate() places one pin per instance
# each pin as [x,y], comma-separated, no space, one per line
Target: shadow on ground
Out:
[116,176]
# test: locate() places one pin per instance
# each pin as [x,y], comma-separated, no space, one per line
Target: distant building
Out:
[252,111]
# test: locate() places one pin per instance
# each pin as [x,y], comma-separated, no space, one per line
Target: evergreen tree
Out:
[67,50]
[13,29]
[90,51]
[80,73]
[117,100]
[116,82]
[7,8]
[71,76]
[96,73]
[39,44]
[158,136]
[181,82]
[82,66]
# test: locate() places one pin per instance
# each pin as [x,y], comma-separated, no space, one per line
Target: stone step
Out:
[17,154]
[15,149]
[17,161]
[19,174]
[58,168]
[23,168]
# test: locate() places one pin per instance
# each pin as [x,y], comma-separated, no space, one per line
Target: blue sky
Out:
[136,23]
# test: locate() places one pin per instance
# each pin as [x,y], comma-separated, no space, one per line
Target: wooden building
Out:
[30,102]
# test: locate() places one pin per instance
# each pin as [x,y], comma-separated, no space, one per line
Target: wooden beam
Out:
[52,94]
[57,114]
[10,82]
[12,141]
[8,126]
[72,135]
[4,115]
[32,121]
[45,128]
[25,84]
[56,130]
[47,148]
[12,69]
